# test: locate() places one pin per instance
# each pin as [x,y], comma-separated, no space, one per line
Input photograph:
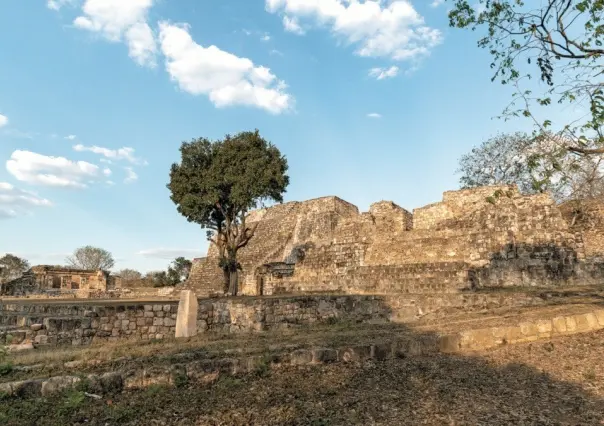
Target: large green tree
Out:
[558,41]
[93,258]
[218,182]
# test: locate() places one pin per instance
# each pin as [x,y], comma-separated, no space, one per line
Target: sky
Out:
[368,100]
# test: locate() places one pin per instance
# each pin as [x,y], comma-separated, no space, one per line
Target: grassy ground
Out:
[553,383]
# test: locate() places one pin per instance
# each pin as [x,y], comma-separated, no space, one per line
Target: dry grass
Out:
[553,383]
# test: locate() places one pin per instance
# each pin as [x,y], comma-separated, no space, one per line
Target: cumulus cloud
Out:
[436,3]
[131,175]
[125,153]
[292,25]
[119,20]
[374,115]
[38,169]
[379,29]
[70,137]
[225,78]
[3,120]
[170,253]
[15,201]
[382,73]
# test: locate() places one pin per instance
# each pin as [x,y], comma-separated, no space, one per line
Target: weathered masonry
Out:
[60,279]
[466,241]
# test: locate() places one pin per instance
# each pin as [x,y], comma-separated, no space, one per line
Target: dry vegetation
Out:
[553,383]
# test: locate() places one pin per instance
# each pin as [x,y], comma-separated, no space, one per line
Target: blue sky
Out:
[367,101]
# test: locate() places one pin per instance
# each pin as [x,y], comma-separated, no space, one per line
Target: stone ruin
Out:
[468,241]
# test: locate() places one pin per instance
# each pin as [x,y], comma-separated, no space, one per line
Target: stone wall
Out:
[469,240]
[80,324]
[586,217]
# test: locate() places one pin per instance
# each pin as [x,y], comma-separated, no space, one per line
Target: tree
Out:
[158,278]
[130,275]
[535,165]
[562,40]
[92,258]
[217,183]
[12,267]
[179,270]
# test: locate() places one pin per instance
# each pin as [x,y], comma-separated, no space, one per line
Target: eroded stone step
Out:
[526,331]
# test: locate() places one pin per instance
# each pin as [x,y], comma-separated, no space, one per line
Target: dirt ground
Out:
[560,382]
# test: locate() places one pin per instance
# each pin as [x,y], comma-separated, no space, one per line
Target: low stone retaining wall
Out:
[527,331]
[208,370]
[64,324]
[81,323]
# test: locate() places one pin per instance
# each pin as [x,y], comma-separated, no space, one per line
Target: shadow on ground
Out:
[430,389]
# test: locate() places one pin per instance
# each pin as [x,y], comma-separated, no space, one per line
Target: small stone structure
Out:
[469,240]
[47,279]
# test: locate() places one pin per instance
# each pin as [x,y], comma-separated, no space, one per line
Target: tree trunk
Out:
[234,282]
[226,283]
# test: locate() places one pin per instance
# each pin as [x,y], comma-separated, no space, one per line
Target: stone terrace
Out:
[462,243]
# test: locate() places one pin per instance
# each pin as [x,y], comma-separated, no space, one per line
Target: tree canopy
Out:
[558,41]
[89,257]
[179,270]
[526,161]
[12,267]
[217,182]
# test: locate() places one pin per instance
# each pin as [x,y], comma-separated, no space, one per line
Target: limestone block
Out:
[381,351]
[600,315]
[559,324]
[544,326]
[301,357]
[57,384]
[186,317]
[592,320]
[321,355]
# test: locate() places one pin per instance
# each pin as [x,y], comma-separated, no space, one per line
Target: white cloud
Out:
[39,169]
[131,175]
[170,253]
[379,29]
[382,73]
[58,4]
[3,120]
[292,25]
[265,37]
[107,171]
[70,137]
[125,153]
[374,115]
[436,3]
[14,201]
[16,133]
[121,20]
[225,78]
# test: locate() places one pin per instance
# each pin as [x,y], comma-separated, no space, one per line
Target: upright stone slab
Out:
[186,319]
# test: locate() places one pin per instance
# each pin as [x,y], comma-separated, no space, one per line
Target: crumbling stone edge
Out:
[208,370]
